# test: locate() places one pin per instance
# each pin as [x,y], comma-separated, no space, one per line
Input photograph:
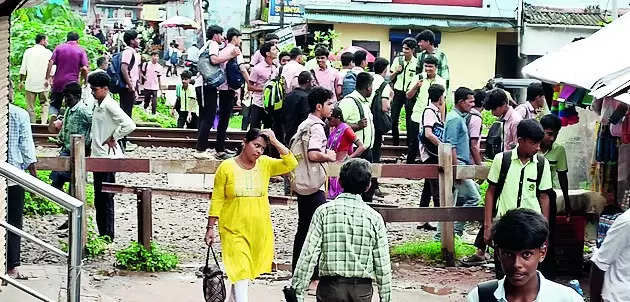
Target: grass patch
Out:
[38,205]
[136,258]
[95,246]
[432,250]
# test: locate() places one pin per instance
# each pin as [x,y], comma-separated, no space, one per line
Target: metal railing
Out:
[75,208]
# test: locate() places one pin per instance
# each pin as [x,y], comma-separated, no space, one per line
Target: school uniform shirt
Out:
[422,100]
[34,65]
[404,78]
[188,98]
[520,183]
[510,123]
[134,71]
[428,121]
[474,126]
[261,74]
[109,120]
[239,60]
[387,93]
[549,292]
[526,110]
[290,72]
[613,257]
[557,158]
[352,115]
[326,78]
[152,73]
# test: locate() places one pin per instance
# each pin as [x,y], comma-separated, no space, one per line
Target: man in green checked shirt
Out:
[348,240]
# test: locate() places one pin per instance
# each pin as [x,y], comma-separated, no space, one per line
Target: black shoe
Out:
[426,226]
[64,226]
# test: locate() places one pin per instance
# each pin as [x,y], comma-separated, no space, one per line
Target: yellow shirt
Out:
[521,178]
[422,100]
[241,202]
[405,77]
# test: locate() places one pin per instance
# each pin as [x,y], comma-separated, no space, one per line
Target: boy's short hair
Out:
[99,79]
[410,42]
[346,58]
[495,99]
[265,48]
[72,36]
[462,93]
[430,59]
[364,80]
[284,54]
[435,92]
[271,36]
[213,30]
[480,97]
[380,65]
[551,121]
[186,75]
[321,51]
[534,90]
[129,35]
[318,95]
[304,77]
[72,89]
[39,38]
[231,33]
[295,52]
[426,35]
[520,229]
[530,129]
[100,61]
[355,176]
[358,57]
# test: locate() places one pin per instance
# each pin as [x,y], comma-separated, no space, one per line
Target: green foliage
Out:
[483,188]
[162,115]
[96,245]
[487,120]
[587,249]
[235,122]
[136,258]
[37,205]
[432,250]
[329,38]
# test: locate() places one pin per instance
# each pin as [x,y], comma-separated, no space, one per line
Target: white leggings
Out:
[239,291]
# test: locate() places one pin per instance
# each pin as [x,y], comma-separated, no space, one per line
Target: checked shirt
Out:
[77,120]
[350,240]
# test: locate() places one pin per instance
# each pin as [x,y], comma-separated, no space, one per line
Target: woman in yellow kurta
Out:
[240,204]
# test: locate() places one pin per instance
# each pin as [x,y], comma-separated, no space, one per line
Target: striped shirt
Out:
[348,239]
[21,148]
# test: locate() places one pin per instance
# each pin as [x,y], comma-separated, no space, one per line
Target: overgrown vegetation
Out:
[37,205]
[95,246]
[162,115]
[432,250]
[136,258]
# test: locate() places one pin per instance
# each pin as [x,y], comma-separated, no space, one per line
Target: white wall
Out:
[539,41]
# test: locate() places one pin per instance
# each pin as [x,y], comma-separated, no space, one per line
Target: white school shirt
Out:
[549,292]
[108,119]
[613,257]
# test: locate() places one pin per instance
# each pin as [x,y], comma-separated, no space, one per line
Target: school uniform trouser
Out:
[127,100]
[368,196]
[245,113]
[15,215]
[307,204]
[150,98]
[258,117]
[431,187]
[104,204]
[413,130]
[207,111]
[182,120]
[227,98]
[376,149]
[342,289]
[400,100]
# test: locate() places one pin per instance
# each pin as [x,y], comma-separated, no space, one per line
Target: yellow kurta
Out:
[240,200]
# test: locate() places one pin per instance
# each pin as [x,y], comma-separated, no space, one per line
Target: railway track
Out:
[187,138]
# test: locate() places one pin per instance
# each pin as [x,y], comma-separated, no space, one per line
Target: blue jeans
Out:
[59,178]
[466,195]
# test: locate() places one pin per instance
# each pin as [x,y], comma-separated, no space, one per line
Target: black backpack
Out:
[494,140]
[382,120]
[485,290]
[438,130]
[505,167]
[235,79]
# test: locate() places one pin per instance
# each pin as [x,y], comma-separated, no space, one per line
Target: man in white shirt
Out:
[34,63]
[292,70]
[610,274]
[193,53]
[535,102]
[109,124]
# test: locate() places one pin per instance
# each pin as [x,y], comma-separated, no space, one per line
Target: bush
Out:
[432,250]
[96,245]
[37,205]
[136,258]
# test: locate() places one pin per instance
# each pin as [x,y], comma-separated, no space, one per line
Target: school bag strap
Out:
[505,167]
[486,290]
[314,77]
[361,113]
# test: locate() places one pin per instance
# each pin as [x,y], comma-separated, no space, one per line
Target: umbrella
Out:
[583,63]
[179,21]
[353,49]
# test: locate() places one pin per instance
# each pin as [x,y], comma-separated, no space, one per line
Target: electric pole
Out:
[281,13]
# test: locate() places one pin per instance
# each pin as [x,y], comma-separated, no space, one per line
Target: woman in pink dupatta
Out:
[342,140]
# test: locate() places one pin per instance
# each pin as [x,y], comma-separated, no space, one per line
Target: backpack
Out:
[469,117]
[273,93]
[349,83]
[485,291]
[174,58]
[494,140]
[167,55]
[361,115]
[212,74]
[506,161]
[114,71]
[235,79]
[308,176]
[438,130]
[382,120]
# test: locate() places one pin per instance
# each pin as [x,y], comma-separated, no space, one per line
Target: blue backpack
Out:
[174,58]
[117,83]
[349,83]
[235,79]
[167,55]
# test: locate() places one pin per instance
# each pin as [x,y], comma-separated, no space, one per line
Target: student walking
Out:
[261,74]
[240,205]
[324,75]
[382,95]
[535,102]
[186,104]
[348,240]
[497,102]
[292,69]
[403,69]
[427,45]
[33,77]
[70,60]
[474,121]
[295,108]
[152,75]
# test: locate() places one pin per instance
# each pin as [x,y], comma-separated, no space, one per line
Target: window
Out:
[373,47]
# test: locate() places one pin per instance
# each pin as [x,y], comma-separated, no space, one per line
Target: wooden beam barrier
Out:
[445,159]
[78,180]
[145,217]
[471,172]
[57,163]
[431,214]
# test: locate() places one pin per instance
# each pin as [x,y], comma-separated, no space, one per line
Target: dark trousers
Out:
[368,196]
[245,114]
[227,98]
[127,100]
[104,204]
[307,204]
[56,100]
[431,187]
[258,117]
[207,111]
[181,120]
[150,98]
[413,129]
[340,289]
[400,100]
[376,149]
[15,215]
[60,178]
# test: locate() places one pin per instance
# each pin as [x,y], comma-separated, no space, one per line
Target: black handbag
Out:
[213,284]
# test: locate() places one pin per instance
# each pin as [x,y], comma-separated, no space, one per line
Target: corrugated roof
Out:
[562,16]
[400,20]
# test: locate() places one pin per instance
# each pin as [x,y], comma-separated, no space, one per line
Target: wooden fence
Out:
[445,171]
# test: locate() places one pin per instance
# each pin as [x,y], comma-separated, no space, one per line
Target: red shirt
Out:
[347,140]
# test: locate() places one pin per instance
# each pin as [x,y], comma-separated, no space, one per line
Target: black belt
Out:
[352,280]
